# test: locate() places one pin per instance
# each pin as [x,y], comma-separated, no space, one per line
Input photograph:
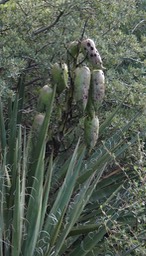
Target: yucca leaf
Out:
[108,120]
[90,215]
[12,128]
[107,158]
[89,243]
[76,208]
[89,212]
[69,242]
[41,140]
[43,131]
[57,230]
[2,129]
[21,94]
[83,229]
[2,201]
[46,189]
[64,194]
[110,149]
[16,230]
[128,219]
[23,182]
[33,216]
[16,153]
[17,210]
[117,136]
[61,168]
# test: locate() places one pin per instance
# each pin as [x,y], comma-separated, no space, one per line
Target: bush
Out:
[68,201]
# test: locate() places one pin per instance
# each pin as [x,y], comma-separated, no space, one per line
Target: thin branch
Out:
[137,25]
[84,28]
[131,59]
[40,30]
[106,32]
[33,81]
[22,9]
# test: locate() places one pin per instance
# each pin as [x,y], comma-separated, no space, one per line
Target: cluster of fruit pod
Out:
[88,86]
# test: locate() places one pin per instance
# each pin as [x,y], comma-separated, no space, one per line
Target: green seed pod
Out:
[60,76]
[64,74]
[73,49]
[37,124]
[97,87]
[89,50]
[36,127]
[81,85]
[56,73]
[91,131]
[90,111]
[44,97]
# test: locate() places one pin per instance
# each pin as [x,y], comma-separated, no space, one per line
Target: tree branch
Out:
[33,81]
[137,25]
[40,30]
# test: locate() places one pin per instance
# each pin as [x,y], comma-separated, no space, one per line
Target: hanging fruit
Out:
[89,50]
[45,96]
[91,131]
[37,123]
[97,88]
[81,85]
[73,49]
[59,74]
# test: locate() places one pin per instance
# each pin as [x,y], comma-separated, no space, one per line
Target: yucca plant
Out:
[63,203]
[54,207]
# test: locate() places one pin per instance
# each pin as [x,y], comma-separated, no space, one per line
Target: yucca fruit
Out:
[36,127]
[91,131]
[44,97]
[37,123]
[97,88]
[88,44]
[90,111]
[59,74]
[81,85]
[73,49]
[56,72]
[89,50]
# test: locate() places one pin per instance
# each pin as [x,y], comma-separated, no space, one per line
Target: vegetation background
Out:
[78,220]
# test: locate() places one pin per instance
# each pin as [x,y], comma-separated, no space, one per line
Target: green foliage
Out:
[56,196]
[65,206]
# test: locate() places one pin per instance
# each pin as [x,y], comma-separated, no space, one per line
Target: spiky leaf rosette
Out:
[91,131]
[45,96]
[97,88]
[81,85]
[90,51]
[59,74]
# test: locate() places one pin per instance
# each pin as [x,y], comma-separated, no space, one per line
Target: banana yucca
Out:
[38,121]
[91,131]
[89,50]
[60,76]
[44,97]
[36,128]
[97,87]
[81,85]
[73,48]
